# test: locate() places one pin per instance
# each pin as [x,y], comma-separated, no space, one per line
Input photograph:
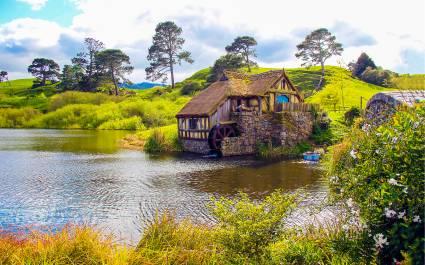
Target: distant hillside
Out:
[143,85]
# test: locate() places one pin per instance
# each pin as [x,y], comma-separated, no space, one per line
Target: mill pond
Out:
[50,178]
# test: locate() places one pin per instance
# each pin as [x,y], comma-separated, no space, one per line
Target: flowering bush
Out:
[380,172]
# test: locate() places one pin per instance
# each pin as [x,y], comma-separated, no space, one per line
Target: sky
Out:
[391,32]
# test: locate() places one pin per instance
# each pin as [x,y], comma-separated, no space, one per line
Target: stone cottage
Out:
[235,113]
[383,105]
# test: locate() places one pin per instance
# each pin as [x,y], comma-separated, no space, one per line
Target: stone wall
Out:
[285,129]
[195,146]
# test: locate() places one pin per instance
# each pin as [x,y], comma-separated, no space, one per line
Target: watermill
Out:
[218,133]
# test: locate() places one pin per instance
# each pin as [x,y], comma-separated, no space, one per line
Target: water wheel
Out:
[218,133]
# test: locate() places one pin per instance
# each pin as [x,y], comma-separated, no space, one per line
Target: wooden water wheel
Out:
[218,133]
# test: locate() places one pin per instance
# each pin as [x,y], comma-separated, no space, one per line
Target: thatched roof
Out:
[230,84]
[408,97]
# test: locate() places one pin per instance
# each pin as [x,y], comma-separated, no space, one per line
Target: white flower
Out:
[394,140]
[334,179]
[417,219]
[405,190]
[380,240]
[393,182]
[366,127]
[377,151]
[415,125]
[401,214]
[390,213]
[353,154]
[378,134]
[345,228]
[350,203]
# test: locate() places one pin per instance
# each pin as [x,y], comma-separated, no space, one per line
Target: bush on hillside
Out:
[351,114]
[377,77]
[379,174]
[190,88]
[73,97]
[363,62]
[132,123]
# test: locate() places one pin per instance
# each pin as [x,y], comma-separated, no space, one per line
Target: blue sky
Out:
[56,28]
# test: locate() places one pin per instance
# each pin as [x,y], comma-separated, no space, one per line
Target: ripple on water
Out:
[53,177]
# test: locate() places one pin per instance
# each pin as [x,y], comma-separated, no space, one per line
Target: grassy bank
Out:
[247,232]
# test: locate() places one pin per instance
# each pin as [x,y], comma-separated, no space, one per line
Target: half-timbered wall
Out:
[222,113]
[193,127]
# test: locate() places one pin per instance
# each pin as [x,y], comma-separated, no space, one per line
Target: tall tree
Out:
[86,61]
[44,69]
[114,64]
[3,76]
[71,77]
[244,46]
[363,62]
[166,51]
[228,61]
[317,47]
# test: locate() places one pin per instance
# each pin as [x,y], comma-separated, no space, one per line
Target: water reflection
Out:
[53,177]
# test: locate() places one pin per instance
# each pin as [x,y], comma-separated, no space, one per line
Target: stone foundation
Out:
[284,129]
[195,146]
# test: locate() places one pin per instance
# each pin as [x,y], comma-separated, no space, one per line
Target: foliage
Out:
[229,61]
[72,245]
[44,69]
[3,76]
[317,47]
[245,228]
[363,62]
[166,51]
[74,97]
[163,139]
[269,152]
[132,123]
[85,67]
[71,77]
[408,81]
[242,46]
[17,118]
[377,77]
[190,88]
[351,114]
[114,64]
[330,98]
[380,172]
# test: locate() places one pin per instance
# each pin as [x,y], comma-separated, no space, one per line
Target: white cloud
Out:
[35,4]
[385,32]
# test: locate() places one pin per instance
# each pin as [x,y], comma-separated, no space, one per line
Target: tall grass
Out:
[407,81]
[17,118]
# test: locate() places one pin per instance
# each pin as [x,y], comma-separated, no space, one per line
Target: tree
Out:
[86,61]
[113,64]
[228,61]
[3,76]
[44,69]
[316,48]
[243,46]
[166,51]
[71,76]
[363,62]
[377,76]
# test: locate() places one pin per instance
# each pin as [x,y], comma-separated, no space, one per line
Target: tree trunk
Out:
[322,76]
[43,80]
[247,62]
[115,83]
[172,73]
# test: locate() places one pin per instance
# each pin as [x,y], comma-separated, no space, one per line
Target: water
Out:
[49,178]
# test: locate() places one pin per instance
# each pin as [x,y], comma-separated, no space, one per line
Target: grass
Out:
[168,240]
[408,81]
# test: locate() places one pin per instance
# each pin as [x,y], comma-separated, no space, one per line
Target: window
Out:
[193,124]
[282,99]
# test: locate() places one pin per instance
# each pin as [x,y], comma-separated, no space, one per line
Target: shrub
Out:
[377,77]
[351,114]
[17,118]
[133,123]
[380,171]
[74,97]
[246,229]
[162,139]
[190,88]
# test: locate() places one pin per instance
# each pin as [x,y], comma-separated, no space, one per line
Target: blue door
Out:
[282,99]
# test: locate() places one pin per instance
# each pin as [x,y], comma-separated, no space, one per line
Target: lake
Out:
[54,177]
